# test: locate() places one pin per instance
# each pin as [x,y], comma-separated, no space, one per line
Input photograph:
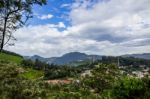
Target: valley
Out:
[62,81]
[74,49]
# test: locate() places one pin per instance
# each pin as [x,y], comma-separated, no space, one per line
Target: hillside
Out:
[72,57]
[142,56]
[13,59]
[77,58]
[10,57]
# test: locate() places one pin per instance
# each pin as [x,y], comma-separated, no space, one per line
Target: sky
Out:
[102,27]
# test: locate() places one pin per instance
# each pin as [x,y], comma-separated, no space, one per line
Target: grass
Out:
[11,58]
[29,72]
[32,74]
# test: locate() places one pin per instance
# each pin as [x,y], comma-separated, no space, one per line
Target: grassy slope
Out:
[32,74]
[10,58]
[29,73]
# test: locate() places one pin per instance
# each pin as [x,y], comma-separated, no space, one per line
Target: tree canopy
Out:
[13,15]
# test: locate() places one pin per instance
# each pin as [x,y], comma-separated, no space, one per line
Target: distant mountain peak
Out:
[143,56]
[36,56]
[66,58]
[73,53]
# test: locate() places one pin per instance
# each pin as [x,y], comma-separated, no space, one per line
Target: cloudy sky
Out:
[104,27]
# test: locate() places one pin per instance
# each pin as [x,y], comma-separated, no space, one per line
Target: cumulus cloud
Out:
[44,17]
[108,27]
[48,41]
[61,25]
[65,5]
[117,18]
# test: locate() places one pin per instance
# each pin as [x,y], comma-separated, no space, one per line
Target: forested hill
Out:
[143,56]
[66,58]
[74,57]
[12,53]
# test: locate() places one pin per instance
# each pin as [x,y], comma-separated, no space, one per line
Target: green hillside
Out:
[10,58]
[32,74]
[28,73]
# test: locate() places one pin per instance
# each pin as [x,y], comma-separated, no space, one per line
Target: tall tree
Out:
[13,15]
[102,77]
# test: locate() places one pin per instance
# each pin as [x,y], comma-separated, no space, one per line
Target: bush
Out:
[14,87]
[130,88]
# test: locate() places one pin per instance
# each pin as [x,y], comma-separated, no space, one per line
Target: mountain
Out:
[142,56]
[50,60]
[70,57]
[77,58]
[33,58]
[66,58]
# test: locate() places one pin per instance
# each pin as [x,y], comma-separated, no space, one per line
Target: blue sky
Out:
[103,27]
[57,8]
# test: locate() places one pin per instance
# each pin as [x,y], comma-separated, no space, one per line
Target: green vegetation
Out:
[32,74]
[131,88]
[11,58]
[26,79]
[125,61]
[28,73]
[50,71]
[102,78]
[30,81]
[58,72]
[14,87]
[14,14]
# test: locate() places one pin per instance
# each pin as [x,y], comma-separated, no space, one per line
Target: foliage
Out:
[104,82]
[37,64]
[125,61]
[13,15]
[27,63]
[32,74]
[11,53]
[102,78]
[10,57]
[52,71]
[14,87]
[130,88]
[56,72]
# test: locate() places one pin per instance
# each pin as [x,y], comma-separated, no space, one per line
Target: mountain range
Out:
[79,57]
[142,56]
[66,58]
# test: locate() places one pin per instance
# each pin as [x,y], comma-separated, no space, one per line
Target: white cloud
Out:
[111,27]
[113,18]
[61,25]
[65,5]
[44,17]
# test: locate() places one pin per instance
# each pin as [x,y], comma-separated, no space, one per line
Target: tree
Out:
[13,15]
[13,86]
[28,63]
[130,88]
[102,77]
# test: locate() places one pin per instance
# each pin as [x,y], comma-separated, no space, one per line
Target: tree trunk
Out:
[3,35]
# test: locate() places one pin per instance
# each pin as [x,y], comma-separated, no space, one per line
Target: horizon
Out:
[86,54]
[101,27]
